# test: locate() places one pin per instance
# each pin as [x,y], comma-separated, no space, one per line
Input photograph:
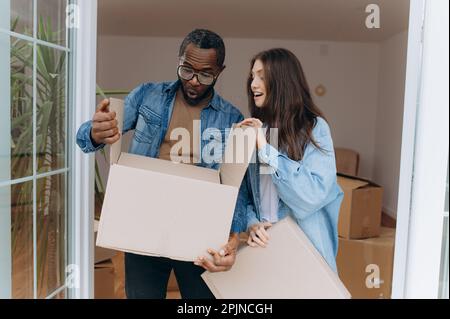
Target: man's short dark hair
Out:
[205,39]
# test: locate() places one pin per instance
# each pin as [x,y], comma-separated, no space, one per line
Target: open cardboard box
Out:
[160,208]
[360,212]
[288,268]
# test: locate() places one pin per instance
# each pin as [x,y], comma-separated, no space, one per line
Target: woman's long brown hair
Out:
[288,105]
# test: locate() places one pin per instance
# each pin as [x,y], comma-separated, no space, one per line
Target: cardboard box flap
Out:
[105,264]
[349,183]
[386,235]
[239,152]
[168,167]
[116,105]
[357,178]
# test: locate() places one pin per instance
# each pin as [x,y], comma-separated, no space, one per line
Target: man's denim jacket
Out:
[148,110]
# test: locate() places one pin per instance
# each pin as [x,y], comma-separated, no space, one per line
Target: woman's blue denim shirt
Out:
[307,189]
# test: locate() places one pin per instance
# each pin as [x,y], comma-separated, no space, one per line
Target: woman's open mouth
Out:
[257,95]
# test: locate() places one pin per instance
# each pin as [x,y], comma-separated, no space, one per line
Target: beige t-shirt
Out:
[184,147]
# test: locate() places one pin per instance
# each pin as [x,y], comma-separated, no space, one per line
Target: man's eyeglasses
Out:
[187,73]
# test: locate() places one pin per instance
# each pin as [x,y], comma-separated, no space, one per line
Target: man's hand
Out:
[104,125]
[258,235]
[222,260]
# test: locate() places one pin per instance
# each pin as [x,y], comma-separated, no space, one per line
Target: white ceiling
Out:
[333,20]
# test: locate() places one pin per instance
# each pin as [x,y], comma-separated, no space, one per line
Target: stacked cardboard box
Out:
[365,265]
[366,249]
[360,214]
[104,280]
[104,273]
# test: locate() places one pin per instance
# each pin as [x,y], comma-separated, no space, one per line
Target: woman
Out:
[300,177]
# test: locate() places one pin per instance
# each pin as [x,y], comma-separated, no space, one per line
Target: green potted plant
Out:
[50,145]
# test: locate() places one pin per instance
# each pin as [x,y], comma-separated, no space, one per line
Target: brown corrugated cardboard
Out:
[289,267]
[347,161]
[360,213]
[160,208]
[365,266]
[104,280]
[101,254]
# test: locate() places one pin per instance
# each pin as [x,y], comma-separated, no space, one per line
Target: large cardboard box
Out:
[360,213]
[289,267]
[104,280]
[160,208]
[365,266]
[101,254]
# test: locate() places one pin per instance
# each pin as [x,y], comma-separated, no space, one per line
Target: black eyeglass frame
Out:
[196,73]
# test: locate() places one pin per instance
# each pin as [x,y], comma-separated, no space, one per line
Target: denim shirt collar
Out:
[215,102]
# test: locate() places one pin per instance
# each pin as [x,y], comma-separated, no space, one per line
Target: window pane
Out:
[50,121]
[51,245]
[22,16]
[21,108]
[5,109]
[52,21]
[22,240]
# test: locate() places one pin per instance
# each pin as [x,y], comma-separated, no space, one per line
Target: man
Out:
[154,111]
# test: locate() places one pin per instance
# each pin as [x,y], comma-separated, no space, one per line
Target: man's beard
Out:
[198,100]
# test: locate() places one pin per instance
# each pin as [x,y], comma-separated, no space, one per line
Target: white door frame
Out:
[412,84]
[412,271]
[81,231]
[424,156]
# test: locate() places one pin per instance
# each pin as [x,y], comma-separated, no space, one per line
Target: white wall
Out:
[390,118]
[364,81]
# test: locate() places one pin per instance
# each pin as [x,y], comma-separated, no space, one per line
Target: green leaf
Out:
[100,91]
[14,24]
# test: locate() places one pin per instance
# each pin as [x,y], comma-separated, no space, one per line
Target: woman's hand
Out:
[258,235]
[260,138]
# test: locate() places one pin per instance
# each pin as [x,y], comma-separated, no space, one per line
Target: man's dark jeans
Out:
[146,277]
